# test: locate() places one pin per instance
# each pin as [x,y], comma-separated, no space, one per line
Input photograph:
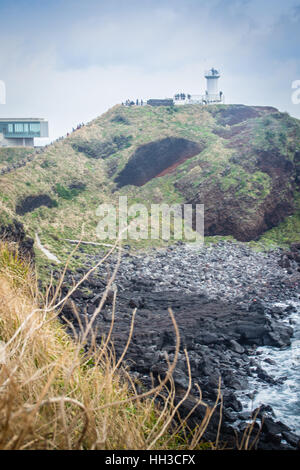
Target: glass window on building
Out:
[10,128]
[26,128]
[35,127]
[19,128]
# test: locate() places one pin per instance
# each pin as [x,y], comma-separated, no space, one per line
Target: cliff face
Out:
[246,177]
[15,233]
[156,159]
[241,162]
[255,192]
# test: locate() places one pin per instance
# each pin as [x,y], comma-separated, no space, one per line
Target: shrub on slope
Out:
[58,393]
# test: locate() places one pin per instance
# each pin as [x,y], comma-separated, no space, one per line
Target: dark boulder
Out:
[15,232]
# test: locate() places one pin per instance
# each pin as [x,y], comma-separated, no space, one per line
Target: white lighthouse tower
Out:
[212,93]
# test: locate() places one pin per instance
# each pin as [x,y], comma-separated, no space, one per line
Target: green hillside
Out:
[10,156]
[242,162]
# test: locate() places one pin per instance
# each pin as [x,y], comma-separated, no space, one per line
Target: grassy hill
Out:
[10,156]
[61,393]
[242,162]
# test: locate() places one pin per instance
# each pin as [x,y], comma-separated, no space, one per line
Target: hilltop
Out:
[242,162]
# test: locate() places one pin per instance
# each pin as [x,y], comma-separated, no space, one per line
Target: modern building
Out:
[161,102]
[21,132]
[212,94]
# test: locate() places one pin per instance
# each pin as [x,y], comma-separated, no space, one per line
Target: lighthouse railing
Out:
[212,73]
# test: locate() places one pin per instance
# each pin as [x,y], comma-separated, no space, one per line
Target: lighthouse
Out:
[212,93]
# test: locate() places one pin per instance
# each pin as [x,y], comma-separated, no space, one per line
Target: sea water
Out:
[283,397]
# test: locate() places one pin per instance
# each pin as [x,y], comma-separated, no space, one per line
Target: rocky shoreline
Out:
[223,301]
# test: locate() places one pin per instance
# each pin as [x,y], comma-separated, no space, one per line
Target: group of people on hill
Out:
[74,129]
[182,96]
[79,126]
[137,102]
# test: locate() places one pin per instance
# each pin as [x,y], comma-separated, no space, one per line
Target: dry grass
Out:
[61,393]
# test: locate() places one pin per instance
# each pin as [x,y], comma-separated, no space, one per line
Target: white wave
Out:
[283,364]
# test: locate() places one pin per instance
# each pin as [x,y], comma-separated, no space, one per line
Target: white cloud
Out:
[90,61]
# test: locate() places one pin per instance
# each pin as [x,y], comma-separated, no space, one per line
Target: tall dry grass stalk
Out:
[59,392]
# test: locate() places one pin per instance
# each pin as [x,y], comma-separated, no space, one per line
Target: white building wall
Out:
[20,142]
[212,86]
[44,129]
[3,141]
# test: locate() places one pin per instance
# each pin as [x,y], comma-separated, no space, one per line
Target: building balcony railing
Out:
[182,98]
[21,135]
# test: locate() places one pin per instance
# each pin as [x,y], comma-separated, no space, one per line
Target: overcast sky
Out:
[71,60]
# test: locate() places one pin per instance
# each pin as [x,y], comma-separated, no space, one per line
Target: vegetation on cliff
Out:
[242,162]
[64,393]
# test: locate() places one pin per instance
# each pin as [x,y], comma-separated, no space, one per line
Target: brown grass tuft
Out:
[57,392]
